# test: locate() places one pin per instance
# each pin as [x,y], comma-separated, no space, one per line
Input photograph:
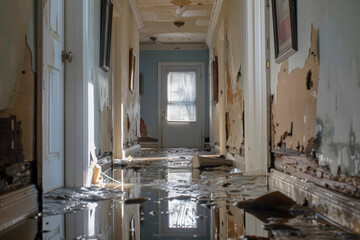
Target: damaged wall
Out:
[149,66]
[100,124]
[12,47]
[17,117]
[294,109]
[231,20]
[127,38]
[335,121]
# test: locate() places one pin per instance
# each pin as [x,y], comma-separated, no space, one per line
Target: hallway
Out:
[160,196]
[176,119]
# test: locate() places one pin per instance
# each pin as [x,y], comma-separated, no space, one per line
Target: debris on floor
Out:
[203,161]
[159,195]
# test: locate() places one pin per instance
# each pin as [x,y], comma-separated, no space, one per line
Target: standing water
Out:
[158,195]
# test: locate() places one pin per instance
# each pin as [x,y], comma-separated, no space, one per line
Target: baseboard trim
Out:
[131,150]
[18,205]
[341,209]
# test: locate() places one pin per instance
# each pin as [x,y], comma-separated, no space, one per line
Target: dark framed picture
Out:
[285,28]
[132,63]
[215,80]
[105,33]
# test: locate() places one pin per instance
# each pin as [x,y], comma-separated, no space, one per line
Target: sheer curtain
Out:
[181,96]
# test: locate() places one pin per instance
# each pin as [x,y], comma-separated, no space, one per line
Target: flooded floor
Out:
[158,195]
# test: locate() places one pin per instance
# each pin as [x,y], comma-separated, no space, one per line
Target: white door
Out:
[53,94]
[181,104]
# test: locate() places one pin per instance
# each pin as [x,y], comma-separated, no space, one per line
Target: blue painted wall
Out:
[149,66]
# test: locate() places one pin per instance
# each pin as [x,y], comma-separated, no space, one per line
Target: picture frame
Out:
[106,13]
[215,79]
[285,28]
[132,63]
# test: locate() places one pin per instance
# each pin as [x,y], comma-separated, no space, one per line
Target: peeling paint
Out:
[309,170]
[294,112]
[234,115]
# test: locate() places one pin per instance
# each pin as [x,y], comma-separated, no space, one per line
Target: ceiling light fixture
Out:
[179,24]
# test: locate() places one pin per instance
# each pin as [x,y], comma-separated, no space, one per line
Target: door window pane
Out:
[181,96]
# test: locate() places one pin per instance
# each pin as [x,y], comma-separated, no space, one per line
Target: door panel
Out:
[53,95]
[182,105]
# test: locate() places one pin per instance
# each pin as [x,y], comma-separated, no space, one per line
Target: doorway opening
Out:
[181,104]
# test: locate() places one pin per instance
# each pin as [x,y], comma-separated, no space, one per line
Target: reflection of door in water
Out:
[182,105]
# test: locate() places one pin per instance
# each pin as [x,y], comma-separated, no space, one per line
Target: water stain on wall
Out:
[294,110]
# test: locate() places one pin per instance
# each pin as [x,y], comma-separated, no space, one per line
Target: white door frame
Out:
[202,100]
[256,94]
[76,95]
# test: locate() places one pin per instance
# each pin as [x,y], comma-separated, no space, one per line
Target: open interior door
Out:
[53,94]
[53,108]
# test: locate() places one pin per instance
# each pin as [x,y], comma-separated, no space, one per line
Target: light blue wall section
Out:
[149,66]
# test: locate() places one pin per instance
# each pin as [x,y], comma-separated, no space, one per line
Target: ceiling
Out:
[158,18]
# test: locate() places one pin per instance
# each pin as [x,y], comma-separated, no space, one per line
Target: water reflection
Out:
[182,214]
[183,204]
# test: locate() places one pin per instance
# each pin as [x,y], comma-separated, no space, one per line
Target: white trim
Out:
[202,101]
[117,5]
[76,95]
[213,20]
[137,15]
[173,46]
[256,156]
[130,151]
[18,205]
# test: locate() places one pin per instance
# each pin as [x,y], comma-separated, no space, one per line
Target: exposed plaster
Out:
[234,111]
[294,112]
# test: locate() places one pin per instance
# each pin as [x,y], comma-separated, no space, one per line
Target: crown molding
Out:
[137,14]
[117,5]
[213,20]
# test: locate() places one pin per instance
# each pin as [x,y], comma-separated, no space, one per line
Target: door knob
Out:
[66,56]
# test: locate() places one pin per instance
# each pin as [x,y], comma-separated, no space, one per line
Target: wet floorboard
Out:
[158,195]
